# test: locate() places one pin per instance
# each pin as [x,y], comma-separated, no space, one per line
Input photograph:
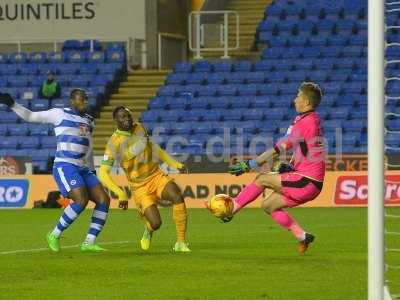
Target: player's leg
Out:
[153,222]
[71,185]
[256,188]
[173,194]
[99,214]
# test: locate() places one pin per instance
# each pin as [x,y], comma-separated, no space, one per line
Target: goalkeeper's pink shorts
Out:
[298,189]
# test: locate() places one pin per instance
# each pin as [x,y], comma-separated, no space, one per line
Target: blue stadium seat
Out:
[339,113]
[243,66]
[263,65]
[213,115]
[18,58]
[40,104]
[202,66]
[183,67]
[72,45]
[337,40]
[253,114]
[116,57]
[8,143]
[203,127]
[87,44]
[56,57]
[29,142]
[358,40]
[249,89]
[216,78]
[195,78]
[37,57]
[275,114]
[28,69]
[352,51]
[166,91]
[7,117]
[255,77]
[240,102]
[200,103]
[232,115]
[65,69]
[182,128]
[175,78]
[40,129]
[96,57]
[4,58]
[149,116]
[345,24]
[115,46]
[331,52]
[233,77]
[3,130]
[76,57]
[317,41]
[332,125]
[98,80]
[11,69]
[310,52]
[193,115]
[208,90]
[222,66]
[18,81]
[170,116]
[338,77]
[220,102]
[58,103]
[246,127]
[18,129]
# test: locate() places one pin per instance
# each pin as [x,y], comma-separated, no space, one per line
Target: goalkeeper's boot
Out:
[53,242]
[181,247]
[85,247]
[145,242]
[303,245]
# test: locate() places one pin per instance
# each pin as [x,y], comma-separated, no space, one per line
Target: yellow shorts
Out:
[146,193]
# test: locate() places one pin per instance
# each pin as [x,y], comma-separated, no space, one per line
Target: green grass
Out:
[249,258]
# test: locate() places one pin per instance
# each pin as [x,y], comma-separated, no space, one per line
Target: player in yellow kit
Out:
[140,158]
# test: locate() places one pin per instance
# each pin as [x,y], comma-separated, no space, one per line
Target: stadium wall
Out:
[65,19]
[341,189]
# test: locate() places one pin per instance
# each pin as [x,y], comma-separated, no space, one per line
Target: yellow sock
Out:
[179,214]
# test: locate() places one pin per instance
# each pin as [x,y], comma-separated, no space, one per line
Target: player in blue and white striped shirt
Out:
[73,165]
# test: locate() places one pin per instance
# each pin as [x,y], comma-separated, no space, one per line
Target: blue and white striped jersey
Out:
[73,132]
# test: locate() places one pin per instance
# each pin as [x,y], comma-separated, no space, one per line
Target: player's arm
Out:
[283,144]
[48,116]
[106,178]
[165,157]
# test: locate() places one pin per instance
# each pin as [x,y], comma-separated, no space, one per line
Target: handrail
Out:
[224,33]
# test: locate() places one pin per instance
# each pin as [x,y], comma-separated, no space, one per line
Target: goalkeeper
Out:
[295,185]
[131,147]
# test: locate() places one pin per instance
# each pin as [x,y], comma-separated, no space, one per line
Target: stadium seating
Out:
[306,40]
[21,75]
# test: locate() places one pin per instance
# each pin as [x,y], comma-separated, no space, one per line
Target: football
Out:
[221,205]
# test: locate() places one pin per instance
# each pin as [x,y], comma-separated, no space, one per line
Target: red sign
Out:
[352,190]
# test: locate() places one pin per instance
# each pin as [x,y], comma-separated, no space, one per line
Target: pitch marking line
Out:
[64,247]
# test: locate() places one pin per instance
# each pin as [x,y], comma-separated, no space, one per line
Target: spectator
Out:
[50,88]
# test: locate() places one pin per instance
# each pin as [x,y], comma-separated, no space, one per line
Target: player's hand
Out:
[182,169]
[6,99]
[239,168]
[123,204]
[123,201]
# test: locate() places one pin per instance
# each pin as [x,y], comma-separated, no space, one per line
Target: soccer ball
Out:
[221,205]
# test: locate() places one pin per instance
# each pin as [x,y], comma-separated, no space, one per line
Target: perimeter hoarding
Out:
[341,189]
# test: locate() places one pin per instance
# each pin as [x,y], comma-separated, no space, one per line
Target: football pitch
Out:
[249,258]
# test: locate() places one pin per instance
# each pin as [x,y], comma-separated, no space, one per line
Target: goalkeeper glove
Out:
[6,99]
[242,167]
[283,167]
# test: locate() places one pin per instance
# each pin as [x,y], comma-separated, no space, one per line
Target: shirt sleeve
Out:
[286,143]
[110,153]
[53,116]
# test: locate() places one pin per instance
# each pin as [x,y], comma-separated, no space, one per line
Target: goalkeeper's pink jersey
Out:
[304,136]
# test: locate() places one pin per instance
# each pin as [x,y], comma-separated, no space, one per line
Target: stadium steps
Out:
[135,92]
[250,13]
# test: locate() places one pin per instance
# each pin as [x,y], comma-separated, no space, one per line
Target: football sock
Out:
[285,220]
[248,194]
[99,217]
[71,212]
[179,215]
